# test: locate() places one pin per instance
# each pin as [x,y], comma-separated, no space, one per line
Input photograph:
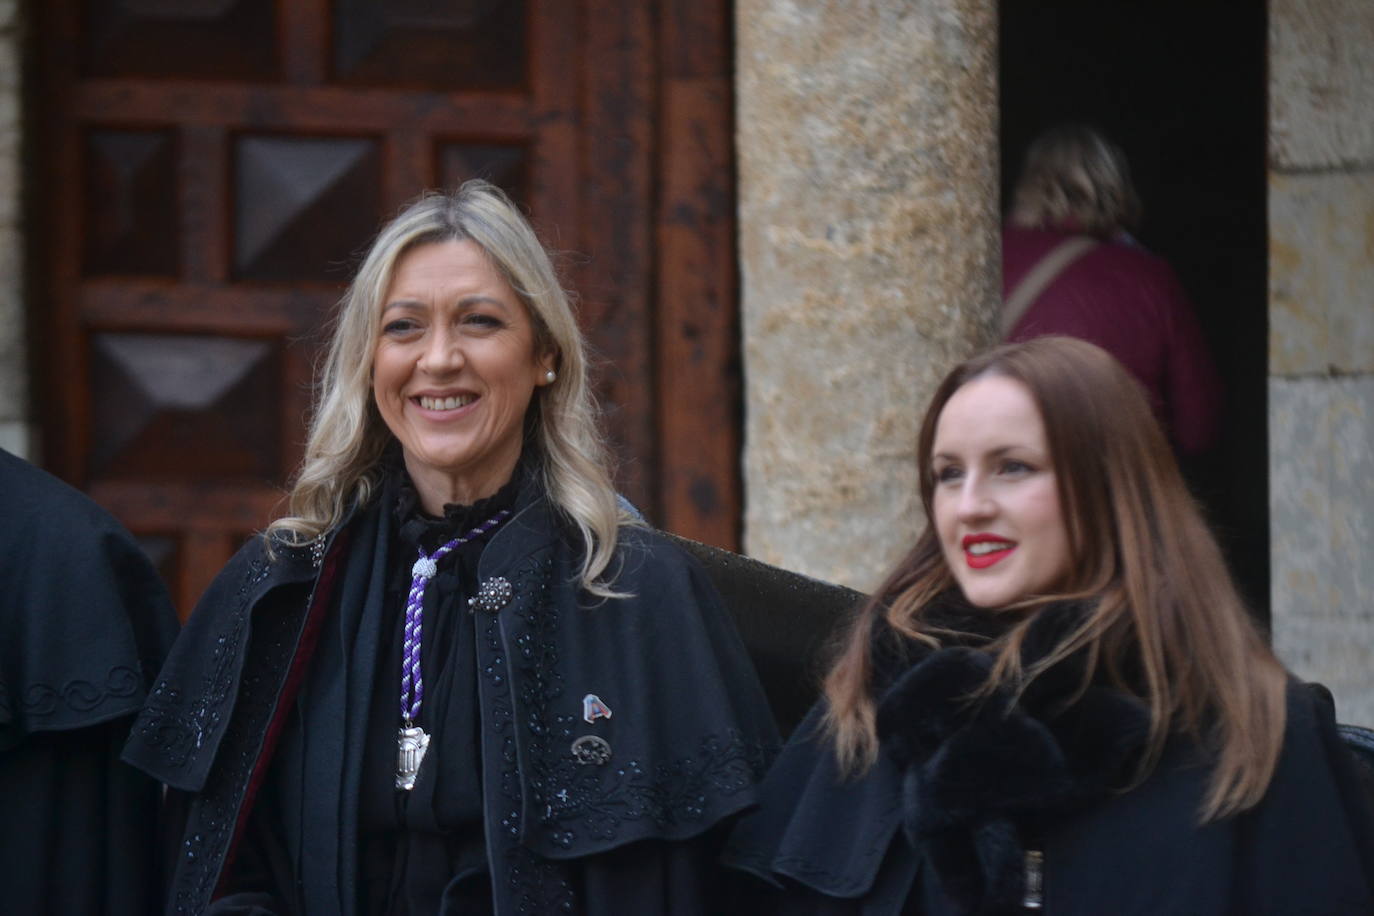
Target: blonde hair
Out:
[1165,620]
[347,435]
[1075,178]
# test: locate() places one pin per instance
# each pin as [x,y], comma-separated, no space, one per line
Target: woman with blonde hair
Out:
[441,683]
[1074,177]
[1056,700]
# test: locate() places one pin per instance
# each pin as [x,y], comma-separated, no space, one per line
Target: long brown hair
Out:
[1165,619]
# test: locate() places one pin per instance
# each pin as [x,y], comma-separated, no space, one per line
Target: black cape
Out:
[690,736]
[84,624]
[890,842]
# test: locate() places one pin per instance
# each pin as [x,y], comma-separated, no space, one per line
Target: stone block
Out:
[16,438]
[10,119]
[11,62]
[1321,486]
[11,187]
[1321,273]
[1321,83]
[14,387]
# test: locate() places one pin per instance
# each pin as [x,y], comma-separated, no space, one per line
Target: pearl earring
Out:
[550,376]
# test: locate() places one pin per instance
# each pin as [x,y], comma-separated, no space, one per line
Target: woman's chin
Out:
[988,598]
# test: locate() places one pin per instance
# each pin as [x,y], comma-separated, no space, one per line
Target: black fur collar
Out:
[979,778]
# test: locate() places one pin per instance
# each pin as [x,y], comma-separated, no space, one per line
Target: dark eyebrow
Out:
[465,302]
[468,301]
[995,453]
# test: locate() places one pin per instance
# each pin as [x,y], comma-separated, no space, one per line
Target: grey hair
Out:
[1074,176]
[347,435]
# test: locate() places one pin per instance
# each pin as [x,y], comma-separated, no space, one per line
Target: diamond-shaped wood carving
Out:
[432,44]
[131,202]
[504,165]
[184,406]
[201,39]
[304,207]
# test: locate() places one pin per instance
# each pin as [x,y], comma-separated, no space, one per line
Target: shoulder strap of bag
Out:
[1041,276]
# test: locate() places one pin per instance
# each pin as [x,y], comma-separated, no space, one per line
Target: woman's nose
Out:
[443,353]
[974,500]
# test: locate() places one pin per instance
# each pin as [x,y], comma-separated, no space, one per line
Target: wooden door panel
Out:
[180,39]
[303,206]
[173,406]
[233,158]
[131,200]
[506,165]
[427,45]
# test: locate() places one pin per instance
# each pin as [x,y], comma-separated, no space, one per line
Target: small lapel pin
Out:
[593,709]
[589,750]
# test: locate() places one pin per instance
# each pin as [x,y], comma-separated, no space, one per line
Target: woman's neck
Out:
[436,488]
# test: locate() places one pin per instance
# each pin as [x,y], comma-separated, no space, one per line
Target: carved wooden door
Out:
[207,172]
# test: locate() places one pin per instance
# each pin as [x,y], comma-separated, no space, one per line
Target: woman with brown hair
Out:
[1057,699]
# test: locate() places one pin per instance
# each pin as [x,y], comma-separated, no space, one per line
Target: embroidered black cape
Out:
[690,736]
[941,824]
[84,624]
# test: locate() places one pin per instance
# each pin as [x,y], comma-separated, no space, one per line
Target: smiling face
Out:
[996,500]
[454,370]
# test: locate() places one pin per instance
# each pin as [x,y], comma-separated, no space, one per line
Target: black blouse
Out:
[424,849]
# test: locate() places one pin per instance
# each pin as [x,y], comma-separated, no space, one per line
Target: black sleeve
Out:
[76,825]
[1306,847]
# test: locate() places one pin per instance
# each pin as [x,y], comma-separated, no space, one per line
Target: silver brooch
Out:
[494,594]
[590,750]
[317,550]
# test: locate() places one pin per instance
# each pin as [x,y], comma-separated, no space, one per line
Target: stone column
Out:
[14,388]
[1321,344]
[867,134]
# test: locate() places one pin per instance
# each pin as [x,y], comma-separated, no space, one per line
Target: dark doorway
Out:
[1181,87]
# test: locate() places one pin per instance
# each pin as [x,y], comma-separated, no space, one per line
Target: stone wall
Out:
[15,430]
[867,146]
[1321,344]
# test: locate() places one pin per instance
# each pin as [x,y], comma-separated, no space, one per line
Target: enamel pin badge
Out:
[593,709]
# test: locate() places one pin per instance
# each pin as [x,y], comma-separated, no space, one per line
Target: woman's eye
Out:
[1012,466]
[947,473]
[399,326]
[482,320]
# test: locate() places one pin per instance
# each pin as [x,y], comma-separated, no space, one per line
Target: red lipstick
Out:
[984,560]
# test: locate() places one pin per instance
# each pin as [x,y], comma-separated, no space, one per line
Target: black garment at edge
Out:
[960,793]
[84,624]
[414,844]
[563,832]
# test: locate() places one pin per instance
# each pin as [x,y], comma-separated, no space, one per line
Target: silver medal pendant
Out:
[411,744]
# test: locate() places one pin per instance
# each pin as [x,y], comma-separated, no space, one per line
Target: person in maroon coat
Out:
[1070,267]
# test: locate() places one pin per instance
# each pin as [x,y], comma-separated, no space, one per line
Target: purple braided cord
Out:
[412,683]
